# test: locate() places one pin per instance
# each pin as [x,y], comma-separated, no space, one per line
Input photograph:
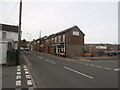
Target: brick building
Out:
[69,42]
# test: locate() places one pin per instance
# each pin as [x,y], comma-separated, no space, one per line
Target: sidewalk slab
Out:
[9,75]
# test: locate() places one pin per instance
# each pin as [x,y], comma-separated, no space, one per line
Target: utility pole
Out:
[19,29]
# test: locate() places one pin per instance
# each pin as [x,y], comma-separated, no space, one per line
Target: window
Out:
[4,35]
[52,40]
[59,38]
[63,37]
[55,39]
[75,33]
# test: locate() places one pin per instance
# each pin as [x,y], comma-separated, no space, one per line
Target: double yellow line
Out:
[26,59]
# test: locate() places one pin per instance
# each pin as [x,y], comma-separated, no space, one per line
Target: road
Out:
[51,72]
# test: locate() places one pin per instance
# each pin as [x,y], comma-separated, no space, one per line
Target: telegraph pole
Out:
[19,29]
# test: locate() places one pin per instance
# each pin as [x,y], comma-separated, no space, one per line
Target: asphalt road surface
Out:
[50,72]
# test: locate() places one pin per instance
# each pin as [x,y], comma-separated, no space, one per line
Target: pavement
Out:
[41,70]
[14,77]
[102,58]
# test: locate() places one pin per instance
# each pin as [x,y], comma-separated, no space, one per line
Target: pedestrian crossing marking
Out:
[117,69]
[29,82]
[18,73]
[18,83]
[28,77]
[18,77]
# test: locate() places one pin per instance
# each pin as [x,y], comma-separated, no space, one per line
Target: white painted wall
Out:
[3,52]
[10,36]
[0,34]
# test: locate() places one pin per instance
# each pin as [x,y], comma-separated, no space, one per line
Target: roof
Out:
[66,30]
[42,38]
[9,28]
[61,32]
[52,35]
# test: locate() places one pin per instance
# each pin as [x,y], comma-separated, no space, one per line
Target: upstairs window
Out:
[52,40]
[59,38]
[55,39]
[63,37]
[75,33]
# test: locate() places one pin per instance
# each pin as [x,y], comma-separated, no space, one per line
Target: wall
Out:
[74,40]
[74,50]
[10,36]
[74,44]
[3,52]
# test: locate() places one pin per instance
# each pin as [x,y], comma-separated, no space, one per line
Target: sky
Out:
[97,19]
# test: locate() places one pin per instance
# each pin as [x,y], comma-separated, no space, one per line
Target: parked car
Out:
[110,53]
[21,49]
[88,54]
[24,49]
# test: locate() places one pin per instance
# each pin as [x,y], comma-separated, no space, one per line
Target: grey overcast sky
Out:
[98,19]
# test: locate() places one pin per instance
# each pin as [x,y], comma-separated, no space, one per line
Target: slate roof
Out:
[66,30]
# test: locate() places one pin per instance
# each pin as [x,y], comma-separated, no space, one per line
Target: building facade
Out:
[69,42]
[8,40]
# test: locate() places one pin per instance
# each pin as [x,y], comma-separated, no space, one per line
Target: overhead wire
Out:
[10,15]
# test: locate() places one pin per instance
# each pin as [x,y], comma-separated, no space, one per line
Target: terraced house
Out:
[69,42]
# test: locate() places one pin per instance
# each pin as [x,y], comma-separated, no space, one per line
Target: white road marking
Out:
[18,70]
[68,59]
[28,77]
[99,66]
[26,72]
[47,60]
[18,66]
[29,82]
[92,65]
[18,73]
[26,59]
[107,68]
[117,69]
[40,57]
[25,69]
[18,77]
[24,66]
[52,62]
[78,72]
[18,83]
